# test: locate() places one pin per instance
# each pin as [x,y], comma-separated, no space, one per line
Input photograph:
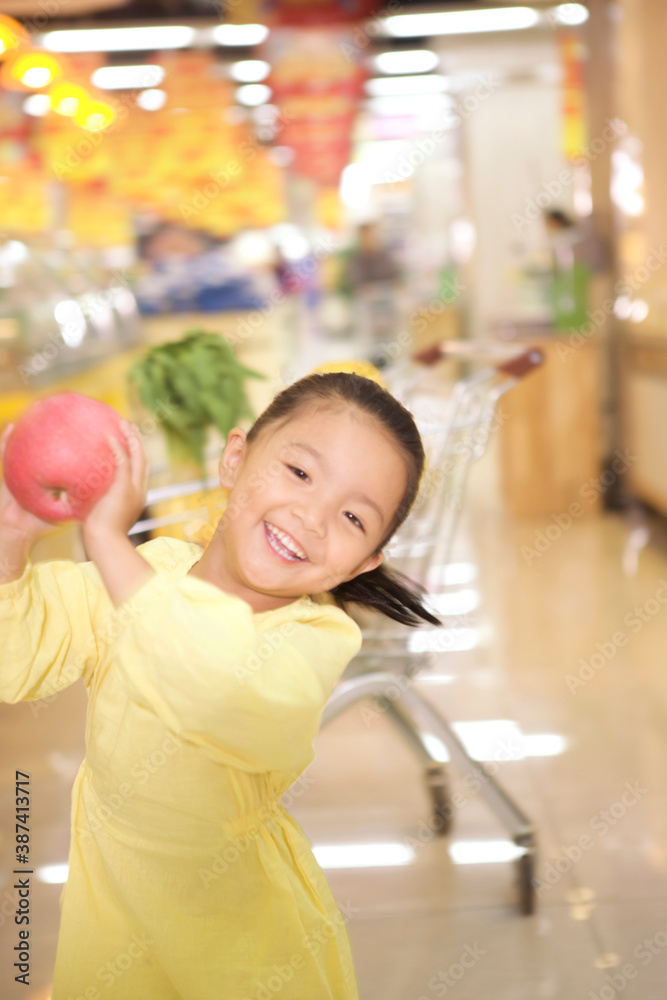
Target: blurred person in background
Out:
[372,276]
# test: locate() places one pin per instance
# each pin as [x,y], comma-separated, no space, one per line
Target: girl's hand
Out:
[121,505]
[12,515]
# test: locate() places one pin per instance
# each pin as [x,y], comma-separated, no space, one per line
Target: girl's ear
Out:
[370,564]
[230,460]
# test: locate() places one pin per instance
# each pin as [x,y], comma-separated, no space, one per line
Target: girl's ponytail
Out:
[387,591]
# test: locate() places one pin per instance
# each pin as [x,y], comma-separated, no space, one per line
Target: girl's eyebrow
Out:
[319,457]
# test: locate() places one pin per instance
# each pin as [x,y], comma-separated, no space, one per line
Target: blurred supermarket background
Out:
[318,182]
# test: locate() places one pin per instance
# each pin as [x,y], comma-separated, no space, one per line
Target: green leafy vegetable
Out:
[190,385]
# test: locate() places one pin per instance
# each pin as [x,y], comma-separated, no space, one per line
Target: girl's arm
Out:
[105,531]
[54,616]
[18,528]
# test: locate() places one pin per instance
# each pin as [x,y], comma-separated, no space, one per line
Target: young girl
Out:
[207,675]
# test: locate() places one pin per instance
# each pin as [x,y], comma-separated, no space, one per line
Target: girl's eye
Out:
[354,519]
[299,473]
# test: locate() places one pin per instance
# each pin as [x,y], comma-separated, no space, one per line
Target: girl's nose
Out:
[312,518]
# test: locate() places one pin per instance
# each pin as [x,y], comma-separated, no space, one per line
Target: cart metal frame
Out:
[424,541]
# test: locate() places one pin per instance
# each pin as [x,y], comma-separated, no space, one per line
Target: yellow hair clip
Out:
[363,368]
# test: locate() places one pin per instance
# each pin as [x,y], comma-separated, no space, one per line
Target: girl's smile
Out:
[311,500]
[283,544]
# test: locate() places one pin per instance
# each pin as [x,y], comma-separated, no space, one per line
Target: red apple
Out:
[58,462]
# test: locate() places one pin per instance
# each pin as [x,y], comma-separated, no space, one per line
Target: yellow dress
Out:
[187,878]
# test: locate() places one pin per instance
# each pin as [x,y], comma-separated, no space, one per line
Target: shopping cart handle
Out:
[523,364]
[430,355]
[503,357]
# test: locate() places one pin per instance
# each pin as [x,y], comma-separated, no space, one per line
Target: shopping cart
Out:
[392,654]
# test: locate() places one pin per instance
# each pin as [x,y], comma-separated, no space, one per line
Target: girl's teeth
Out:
[286,541]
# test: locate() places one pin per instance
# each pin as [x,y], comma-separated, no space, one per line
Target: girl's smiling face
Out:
[311,501]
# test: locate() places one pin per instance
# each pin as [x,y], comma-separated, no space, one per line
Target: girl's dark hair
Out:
[381,589]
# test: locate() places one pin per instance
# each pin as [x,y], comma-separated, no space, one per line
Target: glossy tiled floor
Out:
[582,746]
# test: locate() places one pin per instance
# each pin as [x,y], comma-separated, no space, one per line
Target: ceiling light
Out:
[170,36]
[249,70]
[67,98]
[405,105]
[253,94]
[95,116]
[32,69]
[569,13]
[128,77]
[152,100]
[37,105]
[460,22]
[12,34]
[412,61]
[37,76]
[384,86]
[240,34]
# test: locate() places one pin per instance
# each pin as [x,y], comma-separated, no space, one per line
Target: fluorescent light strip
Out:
[151,39]
[389,86]
[461,22]
[128,77]
[249,70]
[402,105]
[363,855]
[240,34]
[253,94]
[410,61]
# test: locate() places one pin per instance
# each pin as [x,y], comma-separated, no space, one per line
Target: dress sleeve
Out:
[54,624]
[250,697]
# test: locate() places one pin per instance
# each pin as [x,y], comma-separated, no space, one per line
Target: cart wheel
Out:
[443,810]
[525,872]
